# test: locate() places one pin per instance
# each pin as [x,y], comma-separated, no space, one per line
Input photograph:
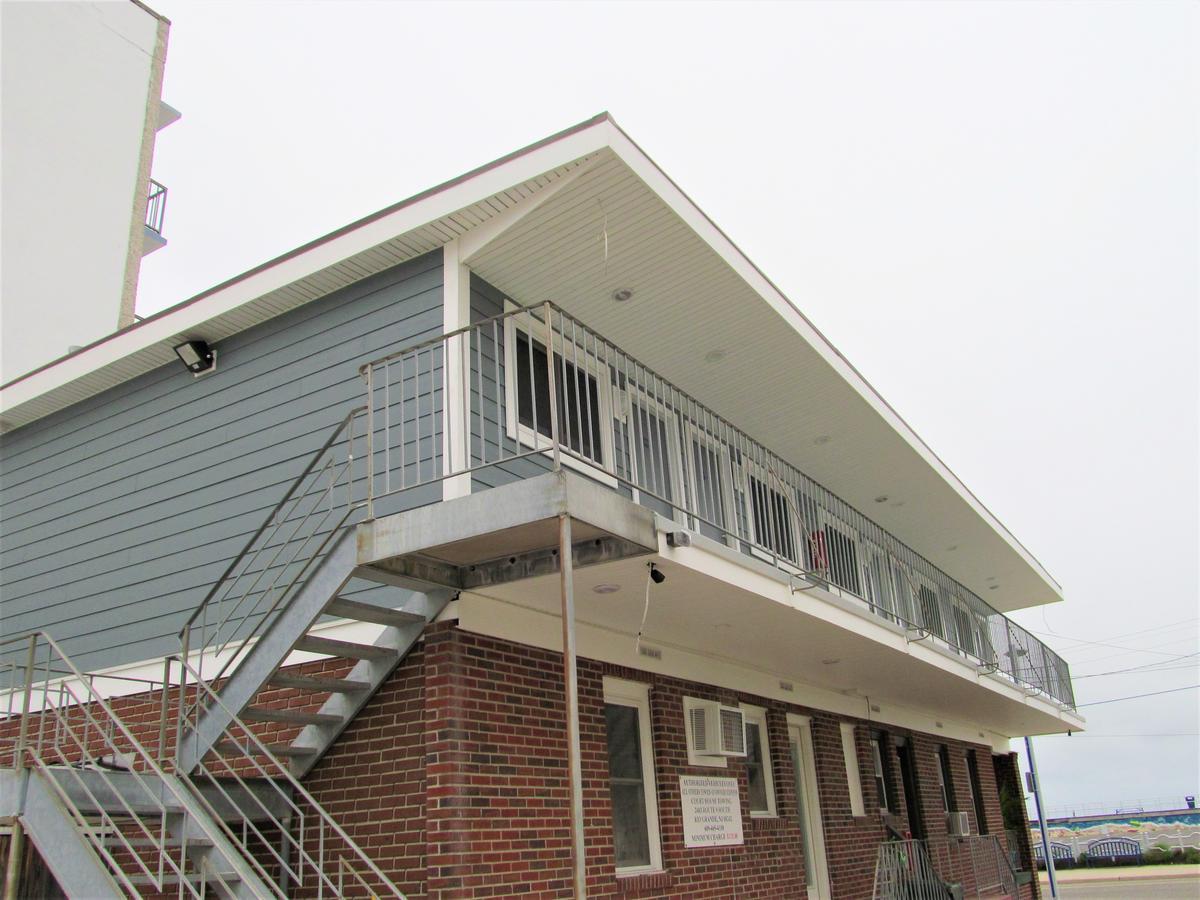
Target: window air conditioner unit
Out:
[958,824]
[717,730]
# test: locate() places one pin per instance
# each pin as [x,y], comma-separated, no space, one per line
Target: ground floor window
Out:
[976,792]
[883,789]
[631,776]
[760,779]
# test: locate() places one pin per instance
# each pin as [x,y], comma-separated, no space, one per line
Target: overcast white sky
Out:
[990,208]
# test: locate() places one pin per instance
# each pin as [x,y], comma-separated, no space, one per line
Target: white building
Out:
[81,107]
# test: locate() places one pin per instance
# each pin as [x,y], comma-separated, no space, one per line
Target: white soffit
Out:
[695,292]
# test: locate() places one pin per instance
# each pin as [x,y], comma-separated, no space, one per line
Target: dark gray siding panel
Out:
[121,511]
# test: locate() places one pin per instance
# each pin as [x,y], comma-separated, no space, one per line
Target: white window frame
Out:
[634,396]
[753,469]
[720,449]
[858,805]
[694,759]
[525,436]
[757,716]
[619,692]
[833,520]
[879,773]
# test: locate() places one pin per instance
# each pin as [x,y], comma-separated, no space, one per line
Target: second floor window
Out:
[579,409]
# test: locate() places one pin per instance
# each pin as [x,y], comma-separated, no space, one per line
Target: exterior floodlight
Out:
[656,574]
[199,358]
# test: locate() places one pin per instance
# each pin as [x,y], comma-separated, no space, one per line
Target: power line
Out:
[1190,687]
[1052,632]
[1144,668]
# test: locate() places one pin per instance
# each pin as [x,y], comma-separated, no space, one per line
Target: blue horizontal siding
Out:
[121,511]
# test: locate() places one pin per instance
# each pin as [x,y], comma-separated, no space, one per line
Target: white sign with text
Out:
[712,811]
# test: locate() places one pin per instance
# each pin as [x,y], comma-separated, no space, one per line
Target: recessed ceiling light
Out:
[882,498]
[714,356]
[952,547]
[897,503]
[990,578]
[830,662]
[622,294]
[606,588]
[992,587]
[822,439]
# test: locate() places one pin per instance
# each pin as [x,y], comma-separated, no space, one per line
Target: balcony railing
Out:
[533,389]
[156,206]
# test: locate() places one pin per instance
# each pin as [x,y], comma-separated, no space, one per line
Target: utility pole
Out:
[1037,801]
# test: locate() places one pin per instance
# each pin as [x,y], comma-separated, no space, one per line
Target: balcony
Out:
[156,208]
[534,390]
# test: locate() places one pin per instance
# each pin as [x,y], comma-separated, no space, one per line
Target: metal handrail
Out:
[920,869]
[618,420]
[240,619]
[280,778]
[75,726]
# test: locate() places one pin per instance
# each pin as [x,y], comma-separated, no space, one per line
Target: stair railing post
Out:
[370,377]
[16,853]
[553,388]
[162,712]
[26,701]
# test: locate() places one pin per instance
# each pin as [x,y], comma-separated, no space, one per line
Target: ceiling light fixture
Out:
[606,588]
[714,356]
[822,439]
[622,294]
[882,498]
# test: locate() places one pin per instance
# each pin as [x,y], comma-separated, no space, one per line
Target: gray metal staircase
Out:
[106,832]
[221,812]
[309,732]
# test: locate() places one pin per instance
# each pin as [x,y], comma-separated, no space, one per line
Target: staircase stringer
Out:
[271,649]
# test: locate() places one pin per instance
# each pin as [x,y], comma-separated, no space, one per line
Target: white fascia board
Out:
[290,269]
[658,181]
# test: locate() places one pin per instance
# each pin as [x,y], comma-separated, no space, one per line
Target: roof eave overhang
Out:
[297,277]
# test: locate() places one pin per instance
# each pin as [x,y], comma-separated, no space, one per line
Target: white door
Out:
[816,869]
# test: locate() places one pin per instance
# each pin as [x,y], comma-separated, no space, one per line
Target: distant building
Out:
[81,106]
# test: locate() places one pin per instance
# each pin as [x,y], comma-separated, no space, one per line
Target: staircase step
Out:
[231,748]
[173,879]
[368,612]
[331,647]
[111,840]
[288,716]
[319,685]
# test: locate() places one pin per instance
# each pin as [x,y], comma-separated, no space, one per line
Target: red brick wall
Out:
[497,790]
[454,779]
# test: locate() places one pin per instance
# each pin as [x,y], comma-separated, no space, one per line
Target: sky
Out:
[991,209]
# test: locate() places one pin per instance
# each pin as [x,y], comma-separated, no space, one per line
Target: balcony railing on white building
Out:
[156,206]
[534,388]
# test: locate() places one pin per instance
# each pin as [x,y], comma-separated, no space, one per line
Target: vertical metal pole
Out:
[553,390]
[1037,800]
[371,442]
[566,571]
[162,713]
[16,853]
[26,699]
